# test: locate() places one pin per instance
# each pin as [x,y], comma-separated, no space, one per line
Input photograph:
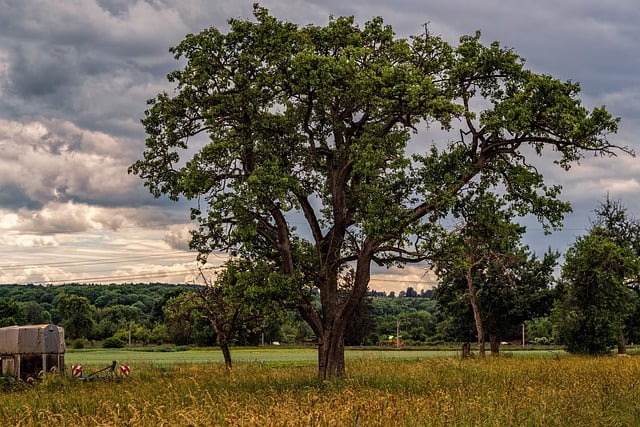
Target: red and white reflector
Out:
[76,371]
[125,370]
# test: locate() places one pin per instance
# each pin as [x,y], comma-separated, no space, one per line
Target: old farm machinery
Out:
[108,373]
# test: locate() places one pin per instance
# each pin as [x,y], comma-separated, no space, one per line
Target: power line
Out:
[110,260]
[426,282]
[175,257]
[123,277]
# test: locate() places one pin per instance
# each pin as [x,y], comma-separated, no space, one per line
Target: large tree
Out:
[298,139]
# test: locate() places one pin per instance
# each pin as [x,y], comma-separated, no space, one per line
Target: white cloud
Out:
[178,236]
[56,162]
[70,217]
[25,240]
[417,277]
[98,256]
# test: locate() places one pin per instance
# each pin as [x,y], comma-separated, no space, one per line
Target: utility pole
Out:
[397,333]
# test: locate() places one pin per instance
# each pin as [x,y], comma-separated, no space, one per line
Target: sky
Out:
[75,76]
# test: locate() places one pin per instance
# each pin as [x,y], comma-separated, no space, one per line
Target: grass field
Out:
[278,387]
[273,356]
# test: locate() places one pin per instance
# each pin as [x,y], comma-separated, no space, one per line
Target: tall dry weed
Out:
[430,392]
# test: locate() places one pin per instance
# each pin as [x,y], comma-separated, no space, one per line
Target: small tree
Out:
[241,297]
[483,243]
[591,316]
[485,269]
[180,314]
[77,315]
[614,222]
[523,292]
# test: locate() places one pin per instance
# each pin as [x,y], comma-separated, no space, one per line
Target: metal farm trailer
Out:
[25,351]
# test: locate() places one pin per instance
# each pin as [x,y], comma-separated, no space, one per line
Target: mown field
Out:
[274,356]
[413,390]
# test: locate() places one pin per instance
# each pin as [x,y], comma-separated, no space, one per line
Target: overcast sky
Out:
[75,76]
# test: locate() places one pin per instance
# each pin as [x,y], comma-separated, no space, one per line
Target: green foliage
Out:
[159,334]
[597,301]
[10,384]
[294,330]
[36,314]
[77,313]
[540,330]
[416,327]
[8,321]
[614,222]
[122,335]
[114,342]
[242,298]
[12,312]
[359,329]
[180,313]
[489,280]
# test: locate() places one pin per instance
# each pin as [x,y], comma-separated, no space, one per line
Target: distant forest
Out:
[153,314]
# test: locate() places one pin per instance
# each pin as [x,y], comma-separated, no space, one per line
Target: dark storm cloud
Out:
[88,70]
[12,197]
[41,73]
[115,7]
[75,61]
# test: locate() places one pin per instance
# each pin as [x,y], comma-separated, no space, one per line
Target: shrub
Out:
[113,342]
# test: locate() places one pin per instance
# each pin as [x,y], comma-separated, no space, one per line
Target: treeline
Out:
[113,314]
[152,314]
[143,314]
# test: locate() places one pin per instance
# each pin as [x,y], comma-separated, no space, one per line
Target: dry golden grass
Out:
[432,392]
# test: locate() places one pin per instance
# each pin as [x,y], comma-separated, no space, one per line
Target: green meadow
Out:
[273,356]
[280,356]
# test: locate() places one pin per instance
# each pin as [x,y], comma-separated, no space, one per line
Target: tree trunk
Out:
[226,354]
[494,344]
[466,350]
[331,355]
[476,314]
[622,343]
